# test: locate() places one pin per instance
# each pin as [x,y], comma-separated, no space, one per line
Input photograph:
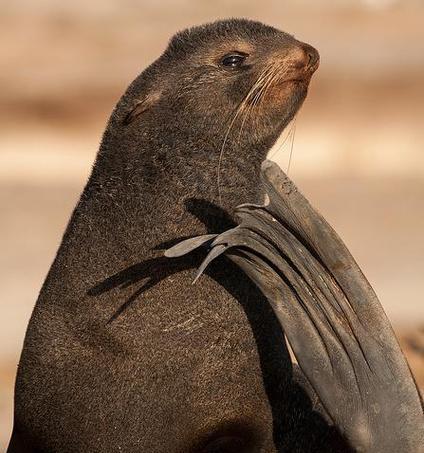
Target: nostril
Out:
[312,55]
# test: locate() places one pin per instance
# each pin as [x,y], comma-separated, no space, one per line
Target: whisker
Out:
[238,111]
[222,152]
[278,73]
[257,100]
[289,134]
[250,105]
[291,148]
[247,110]
[254,98]
[258,93]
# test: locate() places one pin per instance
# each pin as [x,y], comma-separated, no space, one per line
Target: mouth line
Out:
[299,80]
[305,76]
[304,79]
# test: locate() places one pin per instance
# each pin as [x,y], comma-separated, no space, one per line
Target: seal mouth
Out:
[305,72]
[306,75]
[302,79]
[298,80]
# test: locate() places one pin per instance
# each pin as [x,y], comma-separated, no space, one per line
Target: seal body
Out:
[121,352]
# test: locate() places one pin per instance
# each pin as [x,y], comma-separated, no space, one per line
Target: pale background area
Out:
[358,152]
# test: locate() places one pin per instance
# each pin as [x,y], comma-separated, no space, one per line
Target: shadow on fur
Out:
[297,420]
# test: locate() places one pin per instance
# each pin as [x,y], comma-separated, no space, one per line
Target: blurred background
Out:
[357,153]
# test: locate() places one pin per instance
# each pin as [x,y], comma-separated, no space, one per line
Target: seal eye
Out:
[233,60]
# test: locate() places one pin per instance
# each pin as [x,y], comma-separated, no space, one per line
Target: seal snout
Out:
[304,57]
[312,56]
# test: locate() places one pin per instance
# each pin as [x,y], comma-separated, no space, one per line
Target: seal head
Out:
[220,94]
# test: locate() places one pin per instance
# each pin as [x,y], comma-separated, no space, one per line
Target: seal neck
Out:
[144,193]
[149,171]
[141,196]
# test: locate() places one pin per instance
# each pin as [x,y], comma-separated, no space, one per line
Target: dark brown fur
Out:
[122,353]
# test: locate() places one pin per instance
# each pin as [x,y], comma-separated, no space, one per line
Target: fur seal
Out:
[119,355]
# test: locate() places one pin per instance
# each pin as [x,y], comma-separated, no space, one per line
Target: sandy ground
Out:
[358,150]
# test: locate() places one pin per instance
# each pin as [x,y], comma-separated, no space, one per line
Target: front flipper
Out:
[333,320]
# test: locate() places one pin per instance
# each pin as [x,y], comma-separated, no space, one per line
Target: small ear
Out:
[140,106]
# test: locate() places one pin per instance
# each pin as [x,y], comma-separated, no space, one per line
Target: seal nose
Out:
[304,57]
[312,56]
